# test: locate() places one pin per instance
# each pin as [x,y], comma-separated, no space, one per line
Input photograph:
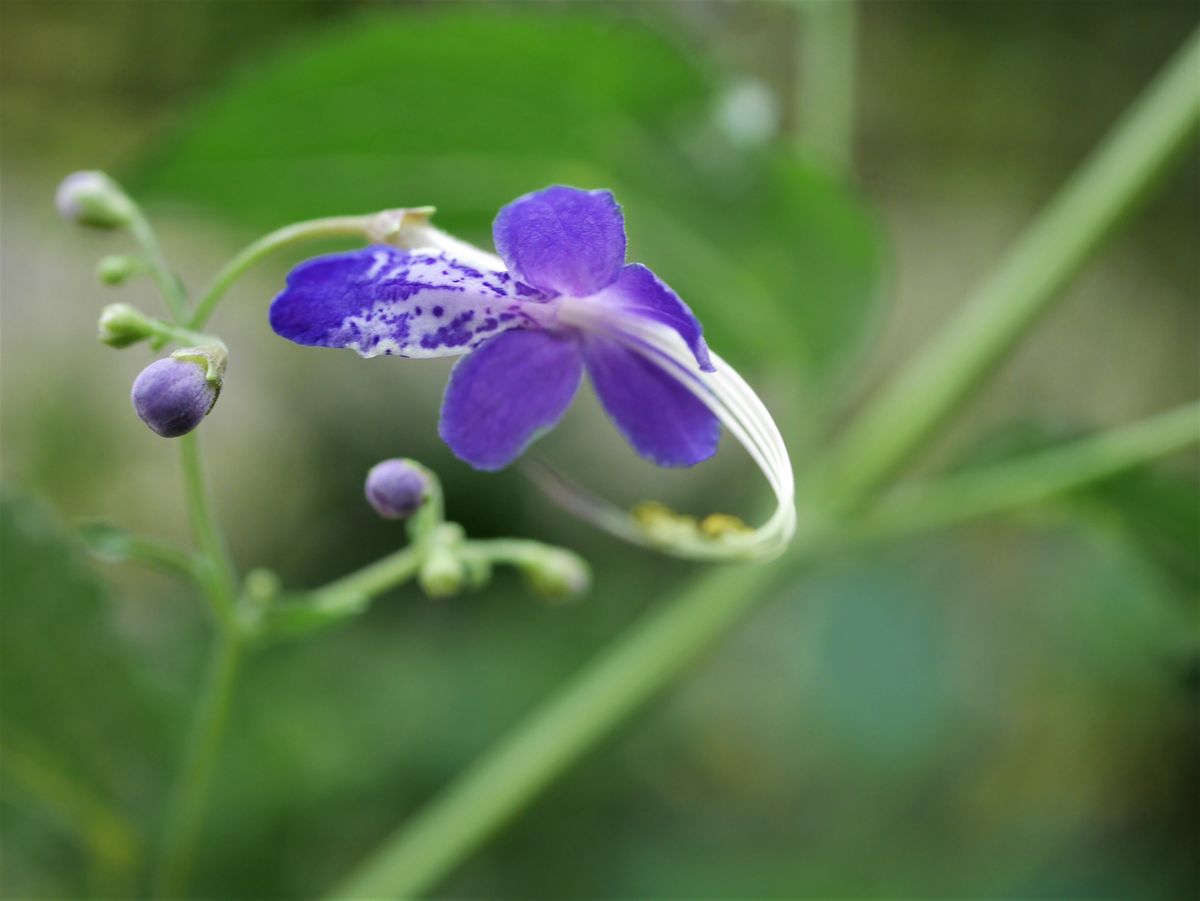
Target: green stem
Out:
[333,226]
[168,284]
[538,750]
[219,580]
[187,809]
[825,79]
[904,414]
[372,580]
[661,648]
[216,568]
[1003,486]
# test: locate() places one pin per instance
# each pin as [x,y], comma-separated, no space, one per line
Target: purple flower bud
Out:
[92,198]
[396,488]
[172,396]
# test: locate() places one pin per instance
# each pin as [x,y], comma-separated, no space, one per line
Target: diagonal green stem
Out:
[168,283]
[660,649]
[977,493]
[537,752]
[897,422]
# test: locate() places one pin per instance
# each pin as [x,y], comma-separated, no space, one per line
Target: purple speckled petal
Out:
[562,239]
[506,393]
[663,421]
[639,291]
[381,300]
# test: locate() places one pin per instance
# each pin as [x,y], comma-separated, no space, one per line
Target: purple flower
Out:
[173,395]
[396,489]
[568,302]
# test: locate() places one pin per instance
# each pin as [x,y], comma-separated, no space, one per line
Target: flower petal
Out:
[506,393]
[562,239]
[639,291]
[381,300]
[661,418]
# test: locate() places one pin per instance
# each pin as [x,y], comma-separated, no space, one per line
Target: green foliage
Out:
[80,732]
[469,110]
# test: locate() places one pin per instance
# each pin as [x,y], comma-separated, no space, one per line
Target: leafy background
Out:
[1006,710]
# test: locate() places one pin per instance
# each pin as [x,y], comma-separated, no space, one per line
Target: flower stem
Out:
[898,421]
[333,226]
[660,649]
[216,567]
[218,579]
[373,579]
[168,284]
[824,103]
[187,808]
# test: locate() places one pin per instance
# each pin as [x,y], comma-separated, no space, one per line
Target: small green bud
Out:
[122,325]
[556,574]
[92,198]
[118,268]
[442,574]
[261,586]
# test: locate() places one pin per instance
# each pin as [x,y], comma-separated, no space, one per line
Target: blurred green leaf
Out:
[1157,508]
[78,719]
[471,109]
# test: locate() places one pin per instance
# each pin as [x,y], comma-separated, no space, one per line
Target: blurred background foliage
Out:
[1008,710]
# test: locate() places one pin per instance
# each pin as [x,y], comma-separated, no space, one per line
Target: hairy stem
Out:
[897,422]
[333,226]
[187,808]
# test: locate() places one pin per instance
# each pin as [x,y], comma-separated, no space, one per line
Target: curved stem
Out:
[904,414]
[187,808]
[168,284]
[333,226]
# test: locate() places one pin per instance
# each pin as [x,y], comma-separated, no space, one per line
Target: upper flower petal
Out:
[381,300]
[660,417]
[506,393]
[562,239]
[639,292]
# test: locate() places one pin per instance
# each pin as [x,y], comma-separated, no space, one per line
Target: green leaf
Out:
[470,109]
[80,728]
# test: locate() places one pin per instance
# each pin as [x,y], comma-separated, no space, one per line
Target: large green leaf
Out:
[470,109]
[82,735]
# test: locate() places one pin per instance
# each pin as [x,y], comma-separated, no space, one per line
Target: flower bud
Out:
[174,394]
[442,574]
[556,574]
[122,325]
[116,269]
[396,488]
[92,198]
